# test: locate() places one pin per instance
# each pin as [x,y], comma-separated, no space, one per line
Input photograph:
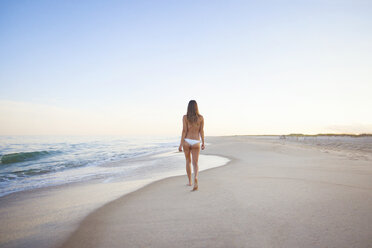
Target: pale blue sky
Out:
[130,67]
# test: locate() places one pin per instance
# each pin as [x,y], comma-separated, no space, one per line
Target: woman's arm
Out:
[202,133]
[184,131]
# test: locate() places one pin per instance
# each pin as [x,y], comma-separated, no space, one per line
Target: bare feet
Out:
[189,184]
[195,185]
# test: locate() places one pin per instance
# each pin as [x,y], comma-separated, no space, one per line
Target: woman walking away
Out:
[193,130]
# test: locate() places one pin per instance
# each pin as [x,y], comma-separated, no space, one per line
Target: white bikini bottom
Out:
[192,141]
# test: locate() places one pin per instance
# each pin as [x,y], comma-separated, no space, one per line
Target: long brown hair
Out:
[192,111]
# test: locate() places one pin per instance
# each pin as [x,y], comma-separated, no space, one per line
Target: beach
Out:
[46,216]
[98,98]
[272,193]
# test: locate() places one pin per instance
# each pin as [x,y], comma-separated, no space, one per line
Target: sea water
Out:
[28,162]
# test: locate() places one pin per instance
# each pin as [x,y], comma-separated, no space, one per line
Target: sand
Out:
[45,217]
[271,194]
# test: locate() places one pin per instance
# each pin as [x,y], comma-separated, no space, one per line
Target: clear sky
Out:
[130,67]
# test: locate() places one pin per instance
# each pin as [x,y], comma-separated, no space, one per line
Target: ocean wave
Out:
[31,172]
[32,162]
[24,156]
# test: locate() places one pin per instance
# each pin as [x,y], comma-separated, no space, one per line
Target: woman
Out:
[193,130]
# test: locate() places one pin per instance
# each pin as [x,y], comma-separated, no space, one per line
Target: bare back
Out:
[193,130]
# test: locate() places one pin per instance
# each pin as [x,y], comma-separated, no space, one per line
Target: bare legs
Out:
[188,170]
[195,150]
[192,155]
[186,150]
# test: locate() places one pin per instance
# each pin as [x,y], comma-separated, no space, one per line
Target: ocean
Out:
[29,162]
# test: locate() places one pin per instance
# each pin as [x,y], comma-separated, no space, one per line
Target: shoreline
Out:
[31,218]
[104,164]
[312,212]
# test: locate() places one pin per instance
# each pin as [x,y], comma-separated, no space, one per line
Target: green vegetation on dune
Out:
[330,134]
